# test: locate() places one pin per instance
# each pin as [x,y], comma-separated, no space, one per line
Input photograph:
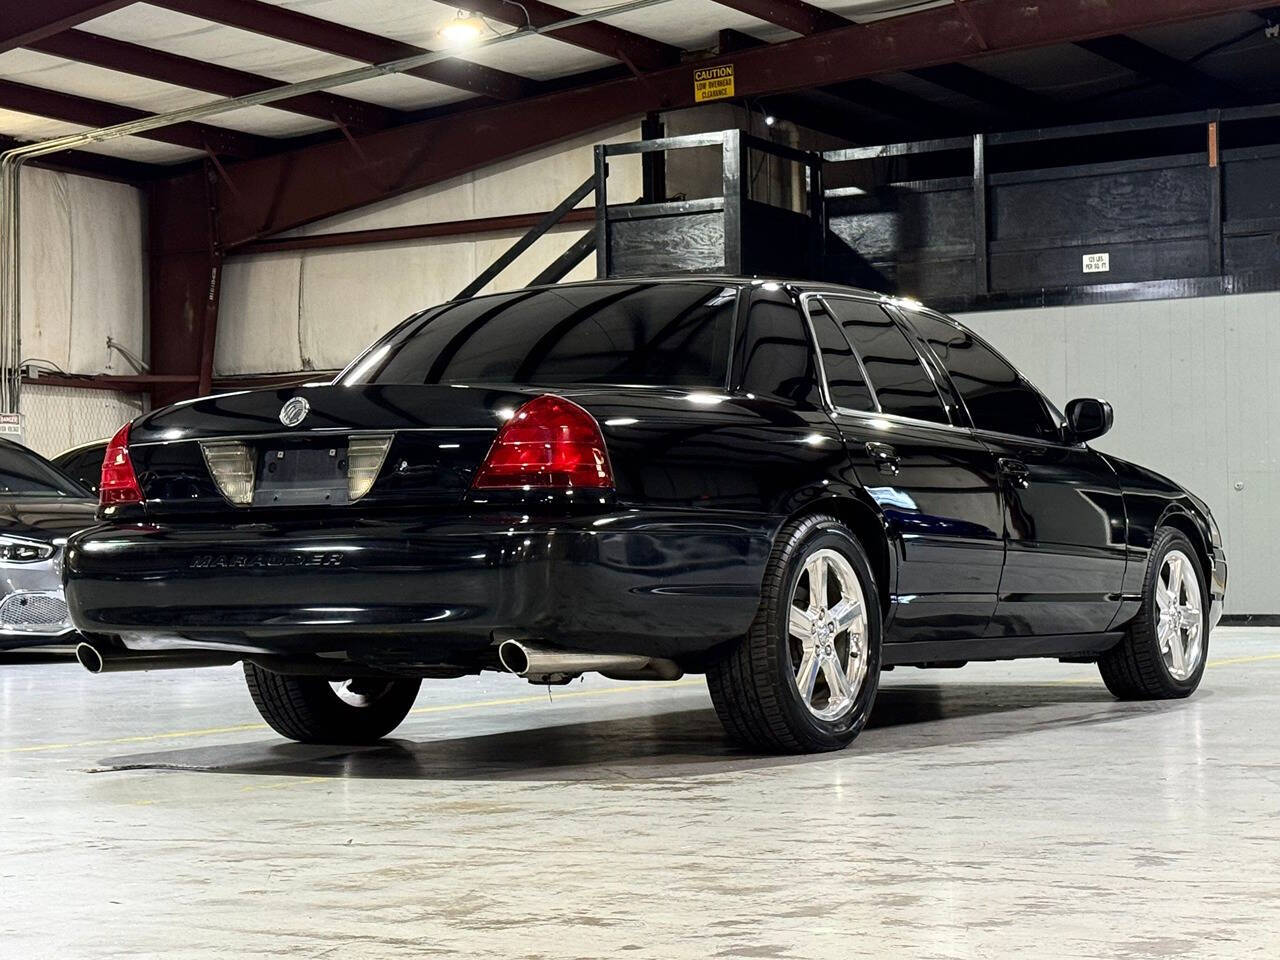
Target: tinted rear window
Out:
[84,467]
[668,334]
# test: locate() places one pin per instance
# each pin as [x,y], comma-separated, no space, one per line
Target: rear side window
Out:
[23,474]
[847,385]
[899,379]
[998,398]
[778,356]
[664,334]
[84,467]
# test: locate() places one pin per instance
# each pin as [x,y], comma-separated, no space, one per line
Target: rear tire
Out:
[1144,665]
[314,710]
[800,639]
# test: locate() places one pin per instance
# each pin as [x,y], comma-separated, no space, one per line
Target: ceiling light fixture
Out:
[464,29]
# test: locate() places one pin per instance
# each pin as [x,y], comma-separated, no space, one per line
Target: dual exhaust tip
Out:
[536,663]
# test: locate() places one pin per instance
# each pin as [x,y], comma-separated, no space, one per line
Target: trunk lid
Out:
[439,435]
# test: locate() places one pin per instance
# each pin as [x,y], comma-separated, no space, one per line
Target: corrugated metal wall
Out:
[1196,397]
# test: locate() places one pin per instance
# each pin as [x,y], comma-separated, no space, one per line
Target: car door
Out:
[935,483]
[1064,519]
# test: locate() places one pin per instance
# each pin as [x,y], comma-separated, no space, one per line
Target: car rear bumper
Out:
[427,591]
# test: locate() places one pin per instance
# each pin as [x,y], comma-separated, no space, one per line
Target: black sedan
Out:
[788,487]
[39,508]
[83,463]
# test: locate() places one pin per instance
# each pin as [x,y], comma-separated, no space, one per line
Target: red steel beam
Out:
[417,231]
[308,31]
[97,113]
[26,21]
[202,75]
[288,189]
[795,15]
[640,52]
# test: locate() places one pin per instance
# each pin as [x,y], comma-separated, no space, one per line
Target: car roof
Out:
[727,279]
[80,447]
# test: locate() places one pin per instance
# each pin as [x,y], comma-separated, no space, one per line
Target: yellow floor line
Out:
[1234,660]
[1231,661]
[283,784]
[480,704]
[441,708]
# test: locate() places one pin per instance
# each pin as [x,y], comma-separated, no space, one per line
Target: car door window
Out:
[778,357]
[845,380]
[898,378]
[997,396]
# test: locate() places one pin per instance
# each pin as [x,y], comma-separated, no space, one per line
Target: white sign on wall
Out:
[11,426]
[1097,263]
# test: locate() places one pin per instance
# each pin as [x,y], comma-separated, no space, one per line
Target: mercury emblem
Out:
[294,411]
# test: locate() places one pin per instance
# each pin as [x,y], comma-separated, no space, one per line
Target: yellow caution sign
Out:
[713,83]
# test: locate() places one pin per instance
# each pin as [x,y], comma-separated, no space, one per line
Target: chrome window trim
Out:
[824,386]
[909,421]
[1033,441]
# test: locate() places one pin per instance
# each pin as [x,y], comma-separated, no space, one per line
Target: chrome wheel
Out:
[827,635]
[1180,620]
[360,692]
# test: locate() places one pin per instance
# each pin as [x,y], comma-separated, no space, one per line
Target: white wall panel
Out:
[1195,398]
[83,270]
[531,183]
[350,297]
[316,309]
[258,315]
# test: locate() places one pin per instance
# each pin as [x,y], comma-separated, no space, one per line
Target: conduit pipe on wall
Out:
[12,160]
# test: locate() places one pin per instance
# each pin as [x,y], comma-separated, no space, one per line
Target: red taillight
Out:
[550,442]
[119,482]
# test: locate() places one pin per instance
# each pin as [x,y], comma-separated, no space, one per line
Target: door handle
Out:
[884,457]
[1015,471]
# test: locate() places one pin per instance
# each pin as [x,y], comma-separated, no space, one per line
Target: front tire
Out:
[1163,653]
[316,710]
[804,678]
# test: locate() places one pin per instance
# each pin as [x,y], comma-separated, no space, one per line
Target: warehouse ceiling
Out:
[71,65]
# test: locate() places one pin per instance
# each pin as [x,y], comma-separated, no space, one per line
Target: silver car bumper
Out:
[32,604]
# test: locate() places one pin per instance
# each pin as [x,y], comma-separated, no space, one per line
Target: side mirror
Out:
[1088,419]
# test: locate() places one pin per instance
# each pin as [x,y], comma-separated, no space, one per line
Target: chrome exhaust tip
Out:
[87,656]
[97,659]
[539,664]
[514,657]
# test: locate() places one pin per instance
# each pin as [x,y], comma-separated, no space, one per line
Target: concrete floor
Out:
[998,811]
